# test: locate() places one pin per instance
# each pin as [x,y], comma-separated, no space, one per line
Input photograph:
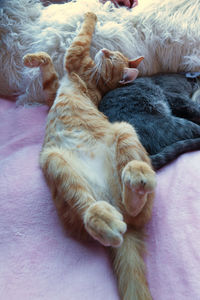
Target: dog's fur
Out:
[165,32]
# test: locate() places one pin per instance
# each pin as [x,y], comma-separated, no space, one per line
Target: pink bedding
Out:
[39,261]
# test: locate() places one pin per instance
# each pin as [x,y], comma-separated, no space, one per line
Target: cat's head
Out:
[115,69]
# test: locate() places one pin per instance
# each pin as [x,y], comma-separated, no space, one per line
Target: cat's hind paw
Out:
[105,224]
[138,180]
[36,59]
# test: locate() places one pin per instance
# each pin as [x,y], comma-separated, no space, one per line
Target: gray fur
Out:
[162,112]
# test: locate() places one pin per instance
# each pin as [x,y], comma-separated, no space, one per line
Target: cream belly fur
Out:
[93,161]
[99,172]
[166,33]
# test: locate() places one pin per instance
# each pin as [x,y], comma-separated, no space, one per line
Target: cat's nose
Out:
[106,52]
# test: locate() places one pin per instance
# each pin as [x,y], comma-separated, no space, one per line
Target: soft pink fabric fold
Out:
[39,261]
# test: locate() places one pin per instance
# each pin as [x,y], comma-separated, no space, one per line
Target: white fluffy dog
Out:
[165,32]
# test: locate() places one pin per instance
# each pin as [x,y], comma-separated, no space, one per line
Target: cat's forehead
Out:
[119,55]
[115,53]
[121,59]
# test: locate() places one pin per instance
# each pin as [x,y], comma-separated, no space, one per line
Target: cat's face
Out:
[115,69]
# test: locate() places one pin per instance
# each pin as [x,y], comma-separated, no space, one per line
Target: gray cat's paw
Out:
[196,96]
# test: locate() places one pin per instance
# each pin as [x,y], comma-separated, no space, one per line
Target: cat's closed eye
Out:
[111,57]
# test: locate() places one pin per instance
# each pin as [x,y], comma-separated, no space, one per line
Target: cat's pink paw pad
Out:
[138,180]
[105,224]
[36,59]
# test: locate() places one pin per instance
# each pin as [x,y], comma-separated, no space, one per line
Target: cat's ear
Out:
[130,74]
[134,63]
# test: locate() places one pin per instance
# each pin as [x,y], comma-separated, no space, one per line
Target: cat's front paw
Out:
[90,15]
[36,59]
[105,224]
[196,96]
[138,180]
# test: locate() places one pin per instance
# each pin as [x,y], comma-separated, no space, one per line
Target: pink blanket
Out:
[39,261]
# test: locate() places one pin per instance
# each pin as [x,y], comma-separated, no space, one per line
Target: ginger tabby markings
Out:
[100,176]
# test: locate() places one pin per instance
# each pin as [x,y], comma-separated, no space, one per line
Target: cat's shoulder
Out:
[174,83]
[143,95]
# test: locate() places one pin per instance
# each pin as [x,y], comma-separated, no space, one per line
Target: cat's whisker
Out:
[97,69]
[93,72]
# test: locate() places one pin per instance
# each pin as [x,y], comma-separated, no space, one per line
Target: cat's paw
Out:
[138,180]
[90,15]
[105,224]
[36,59]
[196,96]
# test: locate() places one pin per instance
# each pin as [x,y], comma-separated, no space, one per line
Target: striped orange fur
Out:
[100,175]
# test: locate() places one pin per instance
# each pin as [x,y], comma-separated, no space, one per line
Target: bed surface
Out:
[39,261]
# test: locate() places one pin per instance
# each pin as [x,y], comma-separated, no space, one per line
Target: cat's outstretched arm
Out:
[79,52]
[50,81]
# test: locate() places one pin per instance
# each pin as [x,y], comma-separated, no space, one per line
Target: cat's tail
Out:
[173,151]
[129,267]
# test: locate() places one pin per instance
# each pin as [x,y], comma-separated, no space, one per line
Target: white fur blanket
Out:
[165,32]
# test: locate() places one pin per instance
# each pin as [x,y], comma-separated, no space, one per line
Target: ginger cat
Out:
[100,175]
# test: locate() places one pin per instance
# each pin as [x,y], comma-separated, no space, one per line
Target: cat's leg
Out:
[50,81]
[105,224]
[135,173]
[185,108]
[74,199]
[196,96]
[79,52]
[137,181]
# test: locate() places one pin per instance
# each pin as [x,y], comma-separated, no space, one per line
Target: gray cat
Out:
[162,112]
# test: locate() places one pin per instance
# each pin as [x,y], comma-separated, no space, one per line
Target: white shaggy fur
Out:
[165,32]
